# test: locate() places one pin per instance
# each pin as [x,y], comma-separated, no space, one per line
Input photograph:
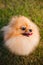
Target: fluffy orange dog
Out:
[21,36]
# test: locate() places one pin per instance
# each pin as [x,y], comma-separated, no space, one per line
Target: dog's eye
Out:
[23,28]
[30,30]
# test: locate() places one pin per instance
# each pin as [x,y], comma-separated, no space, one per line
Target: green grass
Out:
[32,9]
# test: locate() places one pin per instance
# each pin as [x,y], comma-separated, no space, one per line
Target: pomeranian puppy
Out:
[21,36]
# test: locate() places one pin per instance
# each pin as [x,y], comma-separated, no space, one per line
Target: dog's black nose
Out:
[30,30]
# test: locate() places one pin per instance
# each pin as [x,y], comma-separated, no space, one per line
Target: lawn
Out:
[33,9]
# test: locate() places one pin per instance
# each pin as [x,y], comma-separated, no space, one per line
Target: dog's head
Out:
[21,26]
[21,35]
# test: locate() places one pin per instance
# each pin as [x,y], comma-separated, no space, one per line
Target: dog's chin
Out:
[22,45]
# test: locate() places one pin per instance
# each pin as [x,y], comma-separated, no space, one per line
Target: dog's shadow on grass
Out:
[5,55]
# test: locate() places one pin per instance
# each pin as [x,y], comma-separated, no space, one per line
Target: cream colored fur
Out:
[17,43]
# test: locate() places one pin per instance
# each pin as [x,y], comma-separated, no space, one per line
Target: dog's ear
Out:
[13,20]
[7,36]
[7,32]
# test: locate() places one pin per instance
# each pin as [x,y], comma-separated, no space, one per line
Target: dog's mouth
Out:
[27,34]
